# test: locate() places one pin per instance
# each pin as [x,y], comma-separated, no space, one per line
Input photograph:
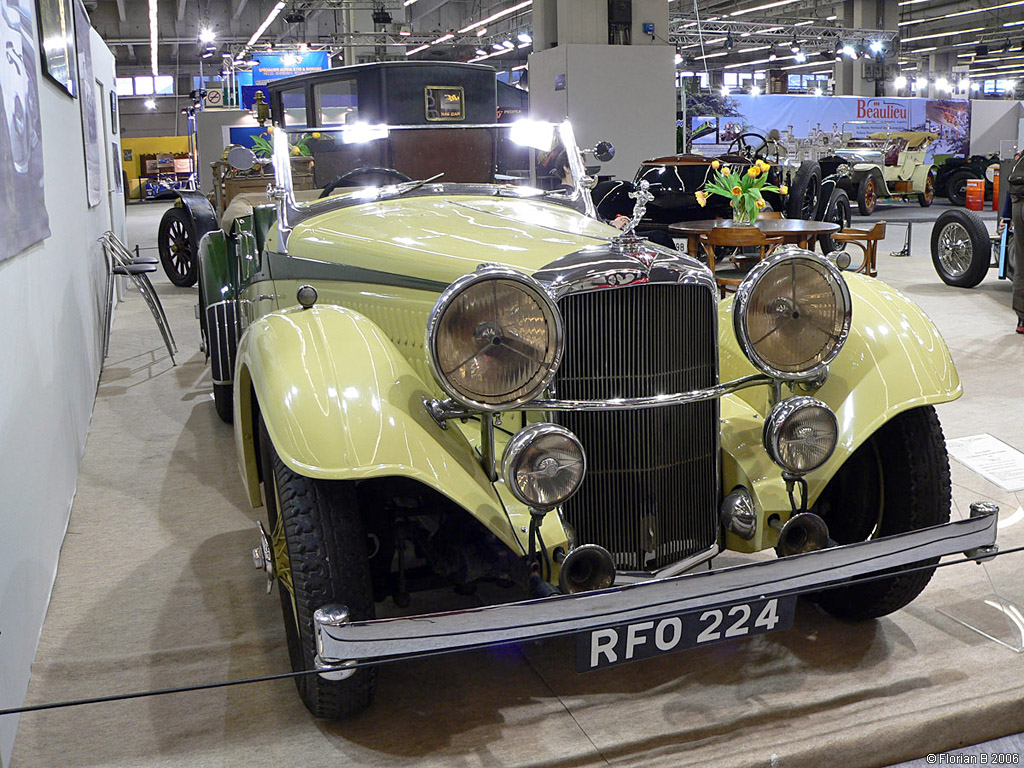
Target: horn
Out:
[585,568]
[805,532]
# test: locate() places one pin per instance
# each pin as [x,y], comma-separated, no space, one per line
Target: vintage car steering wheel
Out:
[365,176]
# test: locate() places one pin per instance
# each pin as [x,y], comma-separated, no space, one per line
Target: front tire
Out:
[961,248]
[176,241]
[317,528]
[956,187]
[867,195]
[838,212]
[897,481]
[224,401]
[802,202]
[928,196]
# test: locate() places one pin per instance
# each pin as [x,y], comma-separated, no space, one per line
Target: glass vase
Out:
[741,216]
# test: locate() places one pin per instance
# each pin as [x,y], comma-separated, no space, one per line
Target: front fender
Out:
[340,402]
[893,360]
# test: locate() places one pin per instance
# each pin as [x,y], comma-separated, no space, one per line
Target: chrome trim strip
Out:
[675,569]
[566,614]
[657,401]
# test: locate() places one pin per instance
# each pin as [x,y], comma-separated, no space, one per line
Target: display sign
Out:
[445,103]
[803,116]
[274,67]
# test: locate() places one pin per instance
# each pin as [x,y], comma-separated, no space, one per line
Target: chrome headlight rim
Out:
[522,440]
[777,419]
[444,301]
[782,255]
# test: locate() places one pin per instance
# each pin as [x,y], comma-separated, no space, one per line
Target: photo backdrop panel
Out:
[22,204]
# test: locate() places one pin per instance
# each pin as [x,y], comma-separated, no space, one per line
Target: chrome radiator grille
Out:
[650,496]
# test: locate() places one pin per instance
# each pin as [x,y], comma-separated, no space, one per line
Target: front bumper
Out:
[340,641]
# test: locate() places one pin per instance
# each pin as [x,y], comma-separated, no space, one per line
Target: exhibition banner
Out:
[276,66]
[715,120]
[22,203]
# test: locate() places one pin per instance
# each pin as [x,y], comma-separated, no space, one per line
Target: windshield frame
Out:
[290,212]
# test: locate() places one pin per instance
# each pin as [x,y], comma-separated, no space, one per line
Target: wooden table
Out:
[797,231]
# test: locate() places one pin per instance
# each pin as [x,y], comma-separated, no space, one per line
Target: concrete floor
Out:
[155,589]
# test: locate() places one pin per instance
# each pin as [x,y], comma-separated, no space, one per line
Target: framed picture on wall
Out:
[57,43]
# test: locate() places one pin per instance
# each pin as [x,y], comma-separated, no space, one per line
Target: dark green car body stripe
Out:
[294,268]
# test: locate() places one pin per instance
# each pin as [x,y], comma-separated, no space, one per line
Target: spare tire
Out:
[802,202]
[961,248]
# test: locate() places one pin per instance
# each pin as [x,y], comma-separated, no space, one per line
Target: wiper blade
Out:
[409,186]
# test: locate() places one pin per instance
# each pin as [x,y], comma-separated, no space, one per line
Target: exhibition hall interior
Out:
[511,383]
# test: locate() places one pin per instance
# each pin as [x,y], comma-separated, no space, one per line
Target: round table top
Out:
[768,226]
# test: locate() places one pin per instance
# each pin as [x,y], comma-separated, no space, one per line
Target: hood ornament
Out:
[629,241]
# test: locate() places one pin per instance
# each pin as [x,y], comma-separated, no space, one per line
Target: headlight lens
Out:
[800,434]
[543,465]
[792,314]
[495,339]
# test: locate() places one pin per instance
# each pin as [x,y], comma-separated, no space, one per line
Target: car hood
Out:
[439,239]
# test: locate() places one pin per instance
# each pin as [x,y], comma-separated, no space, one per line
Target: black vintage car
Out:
[952,176]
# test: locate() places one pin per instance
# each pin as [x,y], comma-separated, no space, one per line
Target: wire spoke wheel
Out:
[955,249]
[177,245]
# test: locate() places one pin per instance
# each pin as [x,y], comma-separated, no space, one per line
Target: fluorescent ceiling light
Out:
[278,7]
[956,14]
[444,38]
[944,34]
[417,49]
[763,7]
[154,46]
[498,15]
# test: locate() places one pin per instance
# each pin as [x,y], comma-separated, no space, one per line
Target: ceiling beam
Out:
[121,12]
[181,9]
[237,7]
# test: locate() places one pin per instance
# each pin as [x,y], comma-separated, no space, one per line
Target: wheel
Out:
[1011,257]
[925,198]
[224,401]
[802,202]
[956,187]
[320,555]
[177,243]
[838,212]
[961,248]
[867,195]
[897,481]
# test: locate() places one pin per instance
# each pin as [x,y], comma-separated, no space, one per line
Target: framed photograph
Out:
[57,43]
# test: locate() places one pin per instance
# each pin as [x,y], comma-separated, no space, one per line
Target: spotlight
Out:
[849,50]
[876,46]
[381,16]
[207,35]
[295,17]
[509,44]
[921,83]
[964,84]
[498,47]
[801,57]
[942,83]
[724,90]
[772,56]
[900,82]
[481,31]
[481,52]
[679,59]
[149,104]
[817,91]
[755,90]
[981,51]
[728,41]
[975,86]
[795,45]
[524,38]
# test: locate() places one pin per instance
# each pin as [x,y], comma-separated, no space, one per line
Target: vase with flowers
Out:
[742,188]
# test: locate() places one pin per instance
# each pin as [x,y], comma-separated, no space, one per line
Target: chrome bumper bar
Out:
[340,641]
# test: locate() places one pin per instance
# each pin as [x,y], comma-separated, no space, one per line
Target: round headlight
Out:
[800,434]
[792,314]
[494,339]
[543,465]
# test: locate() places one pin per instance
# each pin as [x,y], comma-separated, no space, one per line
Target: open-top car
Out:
[443,380]
[886,165]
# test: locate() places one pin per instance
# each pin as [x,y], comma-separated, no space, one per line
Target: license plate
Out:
[599,648]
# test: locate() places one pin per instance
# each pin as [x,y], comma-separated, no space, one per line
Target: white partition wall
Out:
[51,308]
[624,94]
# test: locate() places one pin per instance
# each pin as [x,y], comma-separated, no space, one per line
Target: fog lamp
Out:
[800,434]
[543,465]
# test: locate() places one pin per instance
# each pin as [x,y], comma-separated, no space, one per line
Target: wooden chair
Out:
[736,238]
[770,215]
[867,240]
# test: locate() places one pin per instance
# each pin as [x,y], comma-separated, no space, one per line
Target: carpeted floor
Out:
[156,588]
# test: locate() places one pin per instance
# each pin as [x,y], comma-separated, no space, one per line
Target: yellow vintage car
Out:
[448,380]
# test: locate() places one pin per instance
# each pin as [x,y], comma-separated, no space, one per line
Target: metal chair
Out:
[121,262]
[736,238]
[867,240]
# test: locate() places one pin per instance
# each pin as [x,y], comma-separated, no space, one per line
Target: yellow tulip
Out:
[783,190]
[753,171]
[759,203]
[763,165]
[315,134]
[270,129]
[702,199]
[725,171]
[736,190]
[715,164]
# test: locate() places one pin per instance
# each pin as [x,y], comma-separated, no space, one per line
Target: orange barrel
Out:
[976,194]
[995,187]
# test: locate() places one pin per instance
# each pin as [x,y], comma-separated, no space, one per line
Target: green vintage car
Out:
[463,379]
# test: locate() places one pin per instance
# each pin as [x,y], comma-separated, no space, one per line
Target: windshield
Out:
[364,161]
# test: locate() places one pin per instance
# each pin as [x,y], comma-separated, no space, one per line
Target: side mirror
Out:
[604,151]
[241,158]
